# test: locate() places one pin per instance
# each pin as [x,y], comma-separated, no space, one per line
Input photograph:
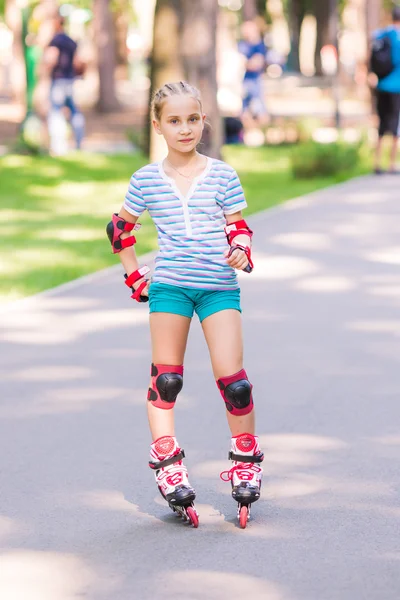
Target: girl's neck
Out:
[180,159]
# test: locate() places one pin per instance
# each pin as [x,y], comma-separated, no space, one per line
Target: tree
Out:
[249,10]
[252,9]
[184,47]
[326,14]
[166,63]
[13,18]
[373,9]
[105,42]
[198,44]
[296,14]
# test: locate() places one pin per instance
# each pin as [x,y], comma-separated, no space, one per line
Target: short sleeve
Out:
[234,199]
[134,201]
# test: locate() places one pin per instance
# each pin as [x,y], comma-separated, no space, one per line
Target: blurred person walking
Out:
[253,48]
[61,60]
[388,90]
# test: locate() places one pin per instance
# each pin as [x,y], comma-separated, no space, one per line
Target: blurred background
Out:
[130,46]
[285,85]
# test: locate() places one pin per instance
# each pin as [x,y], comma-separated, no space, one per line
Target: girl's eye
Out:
[194,119]
[173,121]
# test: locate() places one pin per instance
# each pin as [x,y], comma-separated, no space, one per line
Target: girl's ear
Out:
[156,126]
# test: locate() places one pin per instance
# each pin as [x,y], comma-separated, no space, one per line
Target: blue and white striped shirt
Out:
[190,229]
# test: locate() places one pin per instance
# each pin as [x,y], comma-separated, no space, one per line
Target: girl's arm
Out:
[242,240]
[128,255]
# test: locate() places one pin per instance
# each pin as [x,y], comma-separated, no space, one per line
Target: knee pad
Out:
[236,393]
[166,383]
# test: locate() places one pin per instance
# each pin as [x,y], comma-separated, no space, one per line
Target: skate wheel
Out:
[243,516]
[192,516]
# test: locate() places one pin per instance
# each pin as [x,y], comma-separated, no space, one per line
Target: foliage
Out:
[59,208]
[138,138]
[306,126]
[314,159]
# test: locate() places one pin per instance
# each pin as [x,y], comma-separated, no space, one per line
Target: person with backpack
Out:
[385,63]
[63,64]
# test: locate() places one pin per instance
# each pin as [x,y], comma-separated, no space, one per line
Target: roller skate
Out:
[172,478]
[245,475]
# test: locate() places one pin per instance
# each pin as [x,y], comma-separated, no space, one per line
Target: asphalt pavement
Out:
[80,515]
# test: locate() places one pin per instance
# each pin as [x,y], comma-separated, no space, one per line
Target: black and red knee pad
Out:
[166,383]
[236,391]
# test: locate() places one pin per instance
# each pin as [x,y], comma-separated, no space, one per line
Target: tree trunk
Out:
[249,10]
[373,9]
[198,49]
[297,13]
[252,9]
[322,14]
[121,28]
[13,18]
[105,42]
[166,63]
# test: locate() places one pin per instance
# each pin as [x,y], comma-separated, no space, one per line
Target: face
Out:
[181,122]
[250,32]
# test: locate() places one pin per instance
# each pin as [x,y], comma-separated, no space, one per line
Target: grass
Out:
[54,211]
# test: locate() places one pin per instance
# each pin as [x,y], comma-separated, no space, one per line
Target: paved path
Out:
[80,516]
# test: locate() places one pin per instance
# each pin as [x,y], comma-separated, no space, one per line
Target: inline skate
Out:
[172,478]
[245,475]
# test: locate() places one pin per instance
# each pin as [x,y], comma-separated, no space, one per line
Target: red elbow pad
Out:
[115,228]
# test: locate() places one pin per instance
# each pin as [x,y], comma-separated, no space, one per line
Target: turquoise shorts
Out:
[186,301]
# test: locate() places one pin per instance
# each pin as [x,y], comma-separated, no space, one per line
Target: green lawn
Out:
[54,211]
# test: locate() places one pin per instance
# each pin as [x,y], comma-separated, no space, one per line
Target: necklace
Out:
[179,173]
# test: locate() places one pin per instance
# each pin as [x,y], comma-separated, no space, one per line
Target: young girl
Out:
[196,203]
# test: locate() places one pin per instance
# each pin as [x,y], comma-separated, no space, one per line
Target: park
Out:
[80,514]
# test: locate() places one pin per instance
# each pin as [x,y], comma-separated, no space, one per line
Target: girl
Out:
[196,203]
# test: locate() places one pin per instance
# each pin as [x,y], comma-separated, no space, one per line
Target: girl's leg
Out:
[223,333]
[169,335]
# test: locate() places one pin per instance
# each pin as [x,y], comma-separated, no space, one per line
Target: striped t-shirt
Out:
[190,229]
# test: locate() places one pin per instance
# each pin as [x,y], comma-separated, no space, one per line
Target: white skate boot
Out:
[246,474]
[172,478]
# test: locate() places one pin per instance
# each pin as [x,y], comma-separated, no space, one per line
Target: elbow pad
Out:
[115,228]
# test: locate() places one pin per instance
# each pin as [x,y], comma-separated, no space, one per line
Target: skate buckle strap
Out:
[168,461]
[246,459]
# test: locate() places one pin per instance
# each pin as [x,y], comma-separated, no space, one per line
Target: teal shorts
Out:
[186,301]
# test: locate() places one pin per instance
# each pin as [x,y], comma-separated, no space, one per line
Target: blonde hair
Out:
[180,88]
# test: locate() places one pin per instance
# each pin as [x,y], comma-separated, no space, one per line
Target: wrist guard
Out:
[115,228]
[240,228]
[237,228]
[132,278]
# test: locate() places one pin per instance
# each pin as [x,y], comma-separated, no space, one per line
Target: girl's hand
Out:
[145,290]
[237,260]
